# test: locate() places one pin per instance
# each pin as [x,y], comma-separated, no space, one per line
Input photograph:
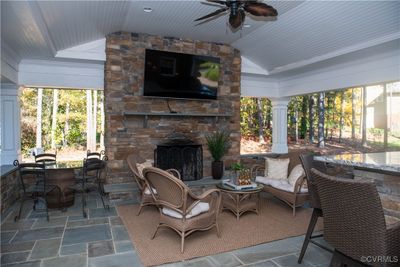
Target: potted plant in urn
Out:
[218,144]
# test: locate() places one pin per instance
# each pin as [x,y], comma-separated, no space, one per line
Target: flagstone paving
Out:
[101,240]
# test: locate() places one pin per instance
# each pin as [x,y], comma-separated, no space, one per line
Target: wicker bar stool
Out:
[354,222]
[308,163]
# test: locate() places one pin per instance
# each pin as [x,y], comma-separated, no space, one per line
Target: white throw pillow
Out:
[141,166]
[276,168]
[295,174]
[197,209]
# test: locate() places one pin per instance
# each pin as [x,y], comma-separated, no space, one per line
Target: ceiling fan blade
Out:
[260,9]
[217,1]
[237,20]
[219,11]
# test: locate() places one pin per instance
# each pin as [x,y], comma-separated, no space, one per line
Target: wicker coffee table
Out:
[240,201]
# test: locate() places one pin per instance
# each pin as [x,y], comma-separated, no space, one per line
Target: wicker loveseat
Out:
[293,196]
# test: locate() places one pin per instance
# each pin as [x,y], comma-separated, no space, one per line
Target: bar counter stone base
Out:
[389,190]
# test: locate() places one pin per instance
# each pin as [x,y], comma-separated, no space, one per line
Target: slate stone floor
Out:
[101,240]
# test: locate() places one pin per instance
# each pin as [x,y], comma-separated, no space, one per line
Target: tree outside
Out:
[61,120]
[362,119]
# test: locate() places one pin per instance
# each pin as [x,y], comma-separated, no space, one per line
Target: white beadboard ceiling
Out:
[304,32]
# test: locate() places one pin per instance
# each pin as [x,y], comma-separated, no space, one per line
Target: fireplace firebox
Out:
[184,156]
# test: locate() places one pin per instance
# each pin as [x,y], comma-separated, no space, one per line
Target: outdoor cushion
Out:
[276,168]
[279,184]
[296,173]
[197,209]
[147,191]
[141,166]
[289,188]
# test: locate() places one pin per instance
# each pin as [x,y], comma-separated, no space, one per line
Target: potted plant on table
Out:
[218,144]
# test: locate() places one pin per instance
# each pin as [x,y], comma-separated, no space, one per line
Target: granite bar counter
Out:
[383,168]
[383,161]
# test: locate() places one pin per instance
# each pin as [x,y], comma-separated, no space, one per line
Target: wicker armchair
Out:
[146,198]
[180,209]
[294,199]
[354,222]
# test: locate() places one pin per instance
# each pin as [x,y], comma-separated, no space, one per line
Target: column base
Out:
[280,148]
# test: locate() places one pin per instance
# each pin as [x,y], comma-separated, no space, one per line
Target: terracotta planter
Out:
[217,169]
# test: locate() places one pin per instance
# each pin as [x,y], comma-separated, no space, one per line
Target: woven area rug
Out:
[275,222]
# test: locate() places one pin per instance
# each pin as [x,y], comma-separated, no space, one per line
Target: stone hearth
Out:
[136,124]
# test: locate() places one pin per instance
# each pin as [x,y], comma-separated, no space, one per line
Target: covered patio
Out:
[309,47]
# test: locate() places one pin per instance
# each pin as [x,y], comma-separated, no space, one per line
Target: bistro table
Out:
[62,174]
[383,168]
[240,201]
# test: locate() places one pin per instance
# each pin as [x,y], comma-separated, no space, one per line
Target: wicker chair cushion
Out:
[147,191]
[296,173]
[197,209]
[276,168]
[279,184]
[141,166]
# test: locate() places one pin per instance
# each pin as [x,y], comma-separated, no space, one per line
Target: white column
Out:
[10,146]
[279,125]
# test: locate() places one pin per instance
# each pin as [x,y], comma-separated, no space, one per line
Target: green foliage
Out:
[237,167]
[304,121]
[218,144]
[71,113]
[249,123]
[28,134]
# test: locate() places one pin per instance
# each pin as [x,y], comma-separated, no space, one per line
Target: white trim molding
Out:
[10,148]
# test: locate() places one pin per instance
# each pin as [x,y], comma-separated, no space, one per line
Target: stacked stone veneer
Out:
[9,190]
[123,89]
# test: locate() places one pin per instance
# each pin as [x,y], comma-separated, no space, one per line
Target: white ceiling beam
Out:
[340,52]
[95,50]
[250,67]
[41,24]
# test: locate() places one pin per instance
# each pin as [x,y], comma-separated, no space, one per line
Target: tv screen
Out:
[179,75]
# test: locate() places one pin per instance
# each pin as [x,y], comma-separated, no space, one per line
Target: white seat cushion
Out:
[279,184]
[268,181]
[197,209]
[276,168]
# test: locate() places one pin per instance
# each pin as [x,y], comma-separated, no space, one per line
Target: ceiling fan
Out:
[238,8]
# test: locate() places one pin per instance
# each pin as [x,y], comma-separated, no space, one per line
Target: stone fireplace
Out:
[137,124]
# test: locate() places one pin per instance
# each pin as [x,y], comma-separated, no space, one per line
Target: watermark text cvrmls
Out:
[379,259]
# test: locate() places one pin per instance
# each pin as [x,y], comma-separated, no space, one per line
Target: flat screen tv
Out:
[179,75]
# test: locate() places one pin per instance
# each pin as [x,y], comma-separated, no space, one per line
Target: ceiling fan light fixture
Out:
[237,11]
